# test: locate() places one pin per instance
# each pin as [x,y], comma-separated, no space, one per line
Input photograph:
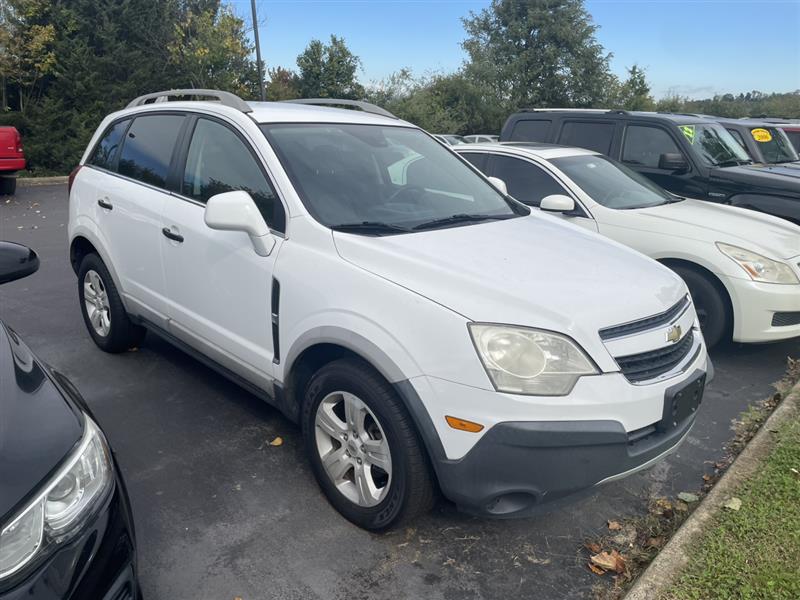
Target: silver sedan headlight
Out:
[61,508]
[520,360]
[759,268]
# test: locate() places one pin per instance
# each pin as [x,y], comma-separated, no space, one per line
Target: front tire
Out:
[363,447]
[102,309]
[8,185]
[712,310]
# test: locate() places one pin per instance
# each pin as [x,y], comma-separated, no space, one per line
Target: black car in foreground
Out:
[688,155]
[66,529]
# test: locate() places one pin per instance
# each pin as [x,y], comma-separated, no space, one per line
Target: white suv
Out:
[422,328]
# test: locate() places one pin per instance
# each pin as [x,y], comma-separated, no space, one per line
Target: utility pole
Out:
[258,51]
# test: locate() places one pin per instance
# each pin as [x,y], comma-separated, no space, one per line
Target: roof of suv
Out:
[278,112]
[677,118]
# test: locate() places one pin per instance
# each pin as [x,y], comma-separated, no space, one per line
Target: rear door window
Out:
[525,181]
[644,145]
[105,153]
[476,159]
[148,147]
[592,135]
[531,130]
[218,162]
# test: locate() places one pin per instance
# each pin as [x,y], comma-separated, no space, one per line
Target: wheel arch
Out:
[85,240]
[303,360]
[713,278]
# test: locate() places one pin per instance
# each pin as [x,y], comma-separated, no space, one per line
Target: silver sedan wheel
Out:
[353,448]
[95,299]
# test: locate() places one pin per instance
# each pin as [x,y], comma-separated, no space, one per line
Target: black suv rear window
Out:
[595,136]
[148,148]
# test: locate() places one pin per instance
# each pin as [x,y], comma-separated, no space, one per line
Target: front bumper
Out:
[754,307]
[536,450]
[99,564]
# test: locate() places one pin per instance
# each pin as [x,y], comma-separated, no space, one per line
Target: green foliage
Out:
[329,71]
[753,552]
[283,84]
[634,93]
[751,104]
[537,53]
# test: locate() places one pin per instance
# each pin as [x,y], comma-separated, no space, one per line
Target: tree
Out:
[635,91]
[282,84]
[537,53]
[210,49]
[329,71]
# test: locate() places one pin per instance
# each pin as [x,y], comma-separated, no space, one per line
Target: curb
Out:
[673,558]
[34,181]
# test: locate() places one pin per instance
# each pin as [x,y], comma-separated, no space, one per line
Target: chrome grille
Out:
[645,324]
[649,365]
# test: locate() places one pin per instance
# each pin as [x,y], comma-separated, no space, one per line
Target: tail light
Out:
[19,143]
[71,179]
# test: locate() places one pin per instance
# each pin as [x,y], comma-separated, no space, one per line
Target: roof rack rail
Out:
[224,98]
[589,110]
[365,106]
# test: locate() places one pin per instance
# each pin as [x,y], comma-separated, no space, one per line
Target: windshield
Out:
[611,184]
[715,146]
[774,145]
[382,179]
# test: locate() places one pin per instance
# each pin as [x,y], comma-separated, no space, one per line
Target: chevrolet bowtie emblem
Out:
[674,333]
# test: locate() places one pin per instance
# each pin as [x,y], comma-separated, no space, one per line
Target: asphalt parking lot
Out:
[221,513]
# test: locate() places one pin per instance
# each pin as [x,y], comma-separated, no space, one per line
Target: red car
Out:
[12,159]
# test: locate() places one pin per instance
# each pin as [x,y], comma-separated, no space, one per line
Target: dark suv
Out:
[764,142]
[689,155]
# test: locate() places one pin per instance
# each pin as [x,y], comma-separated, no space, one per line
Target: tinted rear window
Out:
[105,153]
[148,148]
[531,131]
[595,136]
[478,159]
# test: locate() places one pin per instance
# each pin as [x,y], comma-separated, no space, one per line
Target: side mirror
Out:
[16,261]
[557,203]
[673,162]
[236,211]
[499,184]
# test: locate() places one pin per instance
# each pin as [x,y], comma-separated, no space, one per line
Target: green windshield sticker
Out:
[688,131]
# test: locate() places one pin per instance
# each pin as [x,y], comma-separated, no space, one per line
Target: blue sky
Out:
[692,47]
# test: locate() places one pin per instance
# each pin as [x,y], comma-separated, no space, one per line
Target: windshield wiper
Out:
[367,227]
[461,218]
[734,163]
[674,199]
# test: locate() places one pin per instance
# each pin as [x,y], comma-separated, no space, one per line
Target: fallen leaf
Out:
[278,441]
[593,547]
[733,504]
[614,525]
[612,561]
[681,506]
[655,542]
[688,497]
[595,570]
[795,471]
[706,478]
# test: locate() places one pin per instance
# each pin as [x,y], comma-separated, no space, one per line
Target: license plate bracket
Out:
[682,400]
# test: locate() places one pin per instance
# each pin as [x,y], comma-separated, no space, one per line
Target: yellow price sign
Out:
[761,135]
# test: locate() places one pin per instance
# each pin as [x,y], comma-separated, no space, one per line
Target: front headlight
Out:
[759,268]
[520,360]
[60,509]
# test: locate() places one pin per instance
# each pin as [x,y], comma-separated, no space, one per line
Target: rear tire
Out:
[8,185]
[712,309]
[376,489]
[102,309]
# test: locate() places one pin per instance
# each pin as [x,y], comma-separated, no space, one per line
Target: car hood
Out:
[534,271]
[783,177]
[38,427]
[710,222]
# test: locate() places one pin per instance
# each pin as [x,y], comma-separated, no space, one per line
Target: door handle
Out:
[104,204]
[169,234]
